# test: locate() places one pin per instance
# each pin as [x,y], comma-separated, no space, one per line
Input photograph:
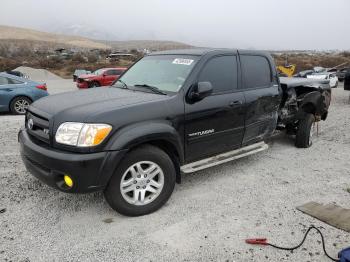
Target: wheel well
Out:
[168,148]
[31,100]
[309,108]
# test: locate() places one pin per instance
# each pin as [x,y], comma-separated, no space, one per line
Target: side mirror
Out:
[199,91]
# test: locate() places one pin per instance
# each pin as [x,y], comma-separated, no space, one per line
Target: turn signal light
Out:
[68,181]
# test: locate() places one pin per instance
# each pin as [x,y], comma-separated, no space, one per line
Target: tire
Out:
[147,156]
[305,131]
[94,84]
[19,105]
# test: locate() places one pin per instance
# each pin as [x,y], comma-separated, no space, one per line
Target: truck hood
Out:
[83,105]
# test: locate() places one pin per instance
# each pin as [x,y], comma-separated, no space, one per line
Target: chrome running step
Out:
[225,157]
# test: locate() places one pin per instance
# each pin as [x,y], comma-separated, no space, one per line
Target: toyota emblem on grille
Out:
[30,123]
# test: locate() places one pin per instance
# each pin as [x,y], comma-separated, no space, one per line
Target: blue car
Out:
[17,93]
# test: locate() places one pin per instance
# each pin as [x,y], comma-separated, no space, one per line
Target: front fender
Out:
[139,133]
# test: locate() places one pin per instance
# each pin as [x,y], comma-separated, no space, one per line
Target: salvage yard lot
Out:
[208,216]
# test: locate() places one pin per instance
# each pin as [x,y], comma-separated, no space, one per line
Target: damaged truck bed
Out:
[304,102]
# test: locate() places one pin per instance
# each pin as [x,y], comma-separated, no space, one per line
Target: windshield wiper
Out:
[125,86]
[152,88]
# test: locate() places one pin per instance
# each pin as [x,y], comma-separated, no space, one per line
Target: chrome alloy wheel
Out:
[142,183]
[21,106]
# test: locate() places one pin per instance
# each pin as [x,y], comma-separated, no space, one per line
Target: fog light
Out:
[68,181]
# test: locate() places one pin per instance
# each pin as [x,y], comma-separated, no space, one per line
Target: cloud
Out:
[268,24]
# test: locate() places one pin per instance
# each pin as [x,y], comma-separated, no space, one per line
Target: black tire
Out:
[18,110]
[304,133]
[94,84]
[154,154]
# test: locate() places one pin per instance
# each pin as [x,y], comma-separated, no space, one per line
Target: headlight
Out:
[82,135]
[87,79]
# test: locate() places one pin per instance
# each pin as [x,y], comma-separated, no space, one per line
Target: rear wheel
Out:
[19,105]
[142,183]
[305,131]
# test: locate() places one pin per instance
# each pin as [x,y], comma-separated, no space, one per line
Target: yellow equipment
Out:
[287,69]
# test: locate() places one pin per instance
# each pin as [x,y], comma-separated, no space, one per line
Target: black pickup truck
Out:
[171,113]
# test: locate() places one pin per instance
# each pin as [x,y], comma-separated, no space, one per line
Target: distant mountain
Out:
[83,31]
[17,33]
[146,44]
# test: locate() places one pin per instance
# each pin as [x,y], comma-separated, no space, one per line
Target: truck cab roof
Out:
[205,51]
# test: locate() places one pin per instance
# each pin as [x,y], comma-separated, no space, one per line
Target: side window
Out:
[221,72]
[4,80]
[113,72]
[256,71]
[14,82]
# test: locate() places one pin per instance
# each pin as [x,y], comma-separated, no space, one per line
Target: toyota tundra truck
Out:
[171,113]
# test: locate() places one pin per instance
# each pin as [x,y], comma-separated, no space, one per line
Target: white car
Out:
[331,76]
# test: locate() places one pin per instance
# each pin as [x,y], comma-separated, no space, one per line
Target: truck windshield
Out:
[165,72]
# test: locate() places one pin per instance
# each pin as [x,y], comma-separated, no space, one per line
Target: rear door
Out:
[216,123]
[262,94]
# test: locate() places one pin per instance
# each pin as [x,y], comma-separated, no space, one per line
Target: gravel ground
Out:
[207,218]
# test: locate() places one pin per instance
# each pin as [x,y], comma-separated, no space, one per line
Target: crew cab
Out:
[171,113]
[101,77]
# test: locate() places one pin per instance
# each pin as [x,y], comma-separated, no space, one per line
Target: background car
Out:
[16,73]
[304,73]
[79,72]
[332,77]
[341,73]
[101,77]
[17,93]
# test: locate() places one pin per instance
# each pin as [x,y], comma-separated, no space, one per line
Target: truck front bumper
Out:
[89,172]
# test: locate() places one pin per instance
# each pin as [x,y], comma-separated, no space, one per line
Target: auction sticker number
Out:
[182,61]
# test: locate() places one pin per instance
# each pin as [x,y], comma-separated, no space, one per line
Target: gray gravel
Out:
[207,218]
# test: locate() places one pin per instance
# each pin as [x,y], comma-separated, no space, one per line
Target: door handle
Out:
[235,103]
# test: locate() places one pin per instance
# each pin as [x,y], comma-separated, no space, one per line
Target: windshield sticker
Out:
[182,61]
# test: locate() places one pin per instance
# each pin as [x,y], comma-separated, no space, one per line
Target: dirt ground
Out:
[208,216]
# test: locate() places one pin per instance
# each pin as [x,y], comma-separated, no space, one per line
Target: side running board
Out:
[224,158]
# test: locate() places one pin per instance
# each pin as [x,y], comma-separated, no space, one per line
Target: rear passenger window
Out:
[221,72]
[15,82]
[256,71]
[114,72]
[3,80]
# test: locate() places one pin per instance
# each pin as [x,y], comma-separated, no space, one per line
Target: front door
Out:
[216,123]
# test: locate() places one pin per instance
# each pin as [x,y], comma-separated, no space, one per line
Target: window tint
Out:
[13,81]
[3,80]
[111,72]
[221,72]
[256,71]
[114,72]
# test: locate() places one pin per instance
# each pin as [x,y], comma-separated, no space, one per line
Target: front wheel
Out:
[142,183]
[94,84]
[305,131]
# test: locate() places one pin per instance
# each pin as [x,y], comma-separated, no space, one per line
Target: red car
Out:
[101,77]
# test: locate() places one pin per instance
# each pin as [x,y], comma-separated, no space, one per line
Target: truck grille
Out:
[38,127]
